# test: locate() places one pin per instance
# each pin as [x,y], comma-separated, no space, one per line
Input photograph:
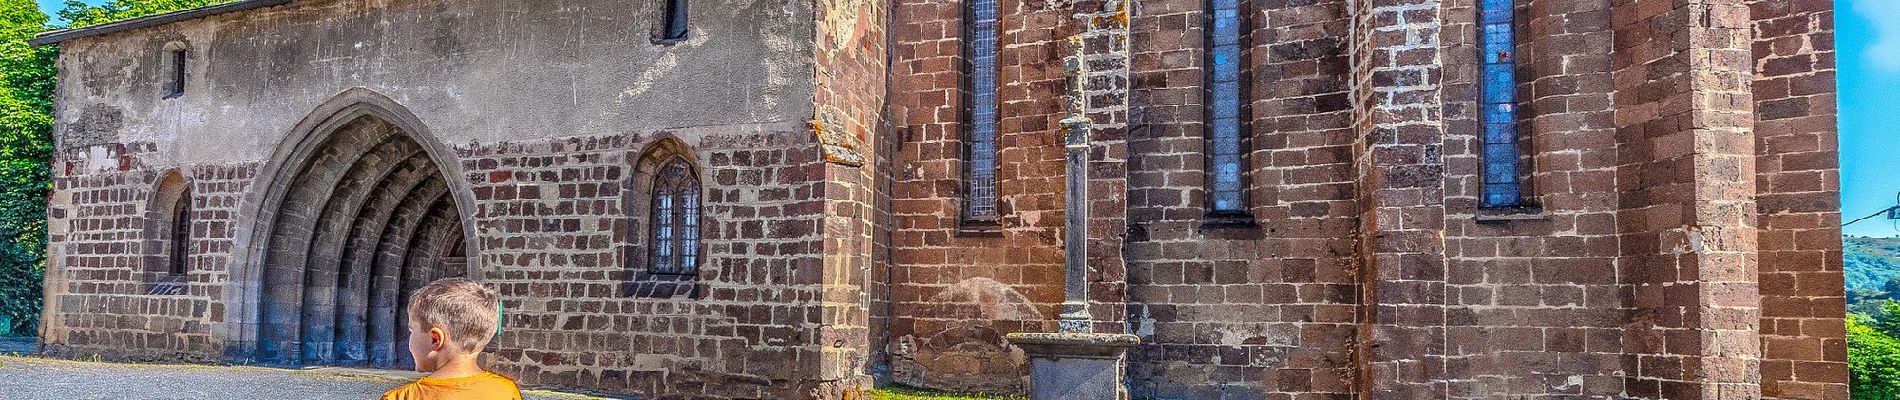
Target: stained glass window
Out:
[1498,84]
[180,234]
[675,220]
[1224,97]
[980,173]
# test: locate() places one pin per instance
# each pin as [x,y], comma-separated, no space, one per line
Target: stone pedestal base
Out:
[1075,366]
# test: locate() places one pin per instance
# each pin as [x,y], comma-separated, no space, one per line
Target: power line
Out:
[1875,214]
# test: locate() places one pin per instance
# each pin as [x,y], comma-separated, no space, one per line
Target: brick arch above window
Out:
[664,203]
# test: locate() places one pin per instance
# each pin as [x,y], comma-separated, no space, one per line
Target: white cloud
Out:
[1884,53]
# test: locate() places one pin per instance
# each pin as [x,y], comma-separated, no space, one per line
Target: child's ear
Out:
[436,336]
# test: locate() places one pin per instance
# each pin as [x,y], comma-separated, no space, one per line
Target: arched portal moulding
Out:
[243,298]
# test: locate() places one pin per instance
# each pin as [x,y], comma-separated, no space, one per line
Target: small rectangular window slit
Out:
[675,20]
[178,58]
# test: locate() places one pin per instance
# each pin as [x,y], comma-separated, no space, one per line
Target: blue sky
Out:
[1868,36]
[52,7]
[1868,40]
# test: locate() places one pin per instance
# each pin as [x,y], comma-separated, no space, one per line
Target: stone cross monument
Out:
[1076,363]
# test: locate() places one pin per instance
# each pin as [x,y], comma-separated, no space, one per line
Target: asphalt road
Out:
[23,378]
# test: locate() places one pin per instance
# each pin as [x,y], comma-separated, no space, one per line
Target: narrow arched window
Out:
[674,26]
[675,220]
[180,239]
[979,202]
[167,237]
[1498,87]
[1226,187]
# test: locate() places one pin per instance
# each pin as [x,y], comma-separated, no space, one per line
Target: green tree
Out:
[26,139]
[1873,361]
[78,14]
[26,124]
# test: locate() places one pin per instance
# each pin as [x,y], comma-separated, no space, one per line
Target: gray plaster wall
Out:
[473,71]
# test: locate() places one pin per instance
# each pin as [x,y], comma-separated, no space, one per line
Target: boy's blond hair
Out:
[466,309]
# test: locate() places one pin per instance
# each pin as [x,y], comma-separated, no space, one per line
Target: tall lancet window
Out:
[1498,85]
[1224,156]
[979,201]
[675,220]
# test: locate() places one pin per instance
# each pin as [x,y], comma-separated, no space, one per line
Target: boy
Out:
[450,320]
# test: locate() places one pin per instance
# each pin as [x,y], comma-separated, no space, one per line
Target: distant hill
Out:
[1870,262]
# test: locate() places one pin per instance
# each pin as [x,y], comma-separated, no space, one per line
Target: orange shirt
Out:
[486,386]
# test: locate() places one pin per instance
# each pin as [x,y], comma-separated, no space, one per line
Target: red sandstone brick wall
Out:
[749,334]
[1253,309]
[1535,304]
[850,61]
[1685,180]
[554,237]
[1661,208]
[1798,185]
[97,276]
[955,291]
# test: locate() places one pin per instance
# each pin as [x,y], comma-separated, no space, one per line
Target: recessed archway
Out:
[359,208]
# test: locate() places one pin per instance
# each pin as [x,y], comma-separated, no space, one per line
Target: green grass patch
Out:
[910,393]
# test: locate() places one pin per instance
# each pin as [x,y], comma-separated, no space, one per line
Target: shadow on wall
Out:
[959,348]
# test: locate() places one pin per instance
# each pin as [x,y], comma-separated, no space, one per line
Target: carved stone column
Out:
[1078,363]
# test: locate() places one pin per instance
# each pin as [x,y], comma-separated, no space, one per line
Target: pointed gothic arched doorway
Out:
[359,215]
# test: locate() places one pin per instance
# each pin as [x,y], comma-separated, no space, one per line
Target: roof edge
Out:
[51,37]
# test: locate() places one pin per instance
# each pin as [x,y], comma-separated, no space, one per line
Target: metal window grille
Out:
[980,173]
[675,220]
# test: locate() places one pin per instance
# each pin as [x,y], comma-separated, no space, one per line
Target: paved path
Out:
[23,378]
[15,345]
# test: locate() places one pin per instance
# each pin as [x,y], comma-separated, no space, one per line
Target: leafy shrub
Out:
[1873,361]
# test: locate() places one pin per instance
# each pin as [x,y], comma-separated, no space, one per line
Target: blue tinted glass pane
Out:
[1226,133]
[1224,99]
[1226,72]
[1225,204]
[1494,16]
[1227,57]
[1226,27]
[1227,173]
[1497,33]
[1500,84]
[1500,194]
[1500,133]
[1226,179]
[1500,163]
[1499,52]
[1498,113]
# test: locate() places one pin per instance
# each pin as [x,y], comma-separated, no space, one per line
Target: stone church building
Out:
[1285,199]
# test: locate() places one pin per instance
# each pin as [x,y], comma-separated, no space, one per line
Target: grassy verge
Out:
[909,393]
